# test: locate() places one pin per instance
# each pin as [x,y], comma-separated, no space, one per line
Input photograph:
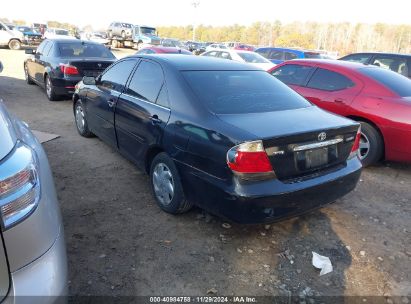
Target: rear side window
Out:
[146,82]
[293,74]
[395,82]
[240,92]
[116,76]
[329,81]
[361,58]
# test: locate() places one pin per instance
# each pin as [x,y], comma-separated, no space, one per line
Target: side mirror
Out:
[88,80]
[30,51]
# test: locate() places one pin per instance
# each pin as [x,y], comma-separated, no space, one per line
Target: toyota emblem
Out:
[322,136]
[99,65]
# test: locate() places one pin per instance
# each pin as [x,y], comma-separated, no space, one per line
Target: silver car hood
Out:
[8,136]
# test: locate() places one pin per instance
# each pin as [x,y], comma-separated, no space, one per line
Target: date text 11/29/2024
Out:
[204,299]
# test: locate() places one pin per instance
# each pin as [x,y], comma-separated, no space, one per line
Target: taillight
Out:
[250,159]
[68,69]
[19,186]
[356,145]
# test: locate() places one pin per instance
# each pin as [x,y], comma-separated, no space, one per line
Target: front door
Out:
[101,101]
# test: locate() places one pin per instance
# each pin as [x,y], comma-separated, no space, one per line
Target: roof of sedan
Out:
[200,63]
[73,40]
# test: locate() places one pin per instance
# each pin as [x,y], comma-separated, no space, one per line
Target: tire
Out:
[27,76]
[50,91]
[14,44]
[371,145]
[80,119]
[171,200]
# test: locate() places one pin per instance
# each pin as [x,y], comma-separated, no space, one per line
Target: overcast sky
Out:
[210,12]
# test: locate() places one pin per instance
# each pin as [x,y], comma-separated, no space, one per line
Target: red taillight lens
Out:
[356,145]
[68,69]
[249,158]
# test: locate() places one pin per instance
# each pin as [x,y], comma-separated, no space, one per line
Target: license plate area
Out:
[92,73]
[316,158]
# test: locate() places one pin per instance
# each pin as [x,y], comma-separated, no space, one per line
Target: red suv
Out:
[379,99]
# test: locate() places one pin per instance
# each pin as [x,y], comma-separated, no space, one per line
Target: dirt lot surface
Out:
[120,243]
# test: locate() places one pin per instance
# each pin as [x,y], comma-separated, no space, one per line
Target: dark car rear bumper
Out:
[269,201]
[65,86]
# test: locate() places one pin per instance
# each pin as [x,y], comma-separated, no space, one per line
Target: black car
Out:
[223,135]
[59,64]
[400,63]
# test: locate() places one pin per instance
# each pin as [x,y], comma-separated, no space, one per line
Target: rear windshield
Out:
[238,92]
[394,81]
[79,49]
[252,57]
[310,55]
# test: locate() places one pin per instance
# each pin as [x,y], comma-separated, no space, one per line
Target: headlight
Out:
[19,185]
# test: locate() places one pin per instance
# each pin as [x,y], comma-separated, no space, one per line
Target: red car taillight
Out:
[68,69]
[356,145]
[250,158]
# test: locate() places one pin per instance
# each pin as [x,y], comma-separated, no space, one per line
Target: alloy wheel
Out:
[80,119]
[364,148]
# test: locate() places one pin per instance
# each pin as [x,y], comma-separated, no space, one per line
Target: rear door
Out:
[101,101]
[142,111]
[331,90]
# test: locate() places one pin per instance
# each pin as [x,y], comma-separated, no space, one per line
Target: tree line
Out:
[342,38]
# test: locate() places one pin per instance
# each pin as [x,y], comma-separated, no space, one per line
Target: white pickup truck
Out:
[11,38]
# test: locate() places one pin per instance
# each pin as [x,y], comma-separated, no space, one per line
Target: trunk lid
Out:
[300,143]
[90,66]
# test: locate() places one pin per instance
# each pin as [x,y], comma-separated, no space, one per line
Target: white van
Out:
[11,38]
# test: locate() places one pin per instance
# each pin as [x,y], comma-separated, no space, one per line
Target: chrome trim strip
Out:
[317,145]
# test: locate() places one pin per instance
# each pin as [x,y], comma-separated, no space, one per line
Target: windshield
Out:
[81,50]
[394,81]
[148,31]
[62,32]
[127,25]
[252,57]
[239,92]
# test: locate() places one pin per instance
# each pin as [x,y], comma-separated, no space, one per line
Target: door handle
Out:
[111,103]
[155,119]
[339,100]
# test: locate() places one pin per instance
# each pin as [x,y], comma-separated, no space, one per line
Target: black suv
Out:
[400,63]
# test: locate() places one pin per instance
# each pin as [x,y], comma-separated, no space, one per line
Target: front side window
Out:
[116,76]
[293,74]
[225,55]
[329,81]
[146,82]
[240,92]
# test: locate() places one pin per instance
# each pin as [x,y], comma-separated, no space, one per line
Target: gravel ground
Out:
[120,243]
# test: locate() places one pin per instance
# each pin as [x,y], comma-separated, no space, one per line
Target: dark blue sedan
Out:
[222,135]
